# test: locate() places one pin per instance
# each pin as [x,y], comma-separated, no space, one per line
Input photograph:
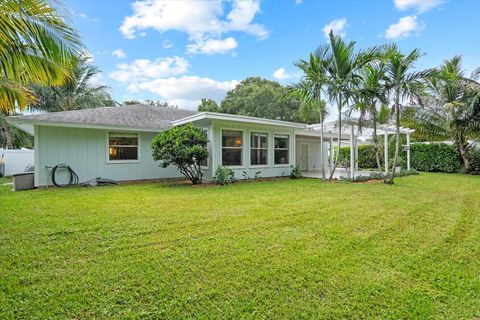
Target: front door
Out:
[304,156]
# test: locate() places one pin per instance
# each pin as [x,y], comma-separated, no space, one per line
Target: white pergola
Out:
[351,130]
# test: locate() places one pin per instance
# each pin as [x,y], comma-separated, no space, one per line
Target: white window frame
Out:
[242,166]
[107,151]
[266,133]
[280,134]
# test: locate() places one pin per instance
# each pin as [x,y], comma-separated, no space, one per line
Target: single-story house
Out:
[115,143]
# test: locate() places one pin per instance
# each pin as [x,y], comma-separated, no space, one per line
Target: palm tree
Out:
[370,94]
[452,110]
[36,46]
[341,64]
[79,92]
[403,86]
[309,90]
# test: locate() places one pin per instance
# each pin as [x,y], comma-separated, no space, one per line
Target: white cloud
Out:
[212,46]
[119,53]
[403,28]
[337,26]
[281,74]
[419,5]
[144,69]
[185,91]
[298,2]
[201,20]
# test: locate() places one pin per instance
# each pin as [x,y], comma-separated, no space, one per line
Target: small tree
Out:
[185,147]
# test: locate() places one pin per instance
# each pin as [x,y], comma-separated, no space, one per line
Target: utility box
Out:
[23,181]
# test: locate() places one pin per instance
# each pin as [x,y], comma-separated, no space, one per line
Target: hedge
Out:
[434,157]
[474,157]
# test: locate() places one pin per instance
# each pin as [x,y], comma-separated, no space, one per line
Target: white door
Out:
[304,156]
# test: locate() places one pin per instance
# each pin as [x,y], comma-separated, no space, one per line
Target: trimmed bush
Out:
[435,157]
[474,156]
[366,155]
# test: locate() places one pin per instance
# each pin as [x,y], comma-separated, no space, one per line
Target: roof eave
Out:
[238,118]
[28,124]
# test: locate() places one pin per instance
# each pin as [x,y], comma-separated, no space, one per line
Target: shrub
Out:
[185,147]
[474,157]
[366,155]
[296,172]
[435,157]
[224,176]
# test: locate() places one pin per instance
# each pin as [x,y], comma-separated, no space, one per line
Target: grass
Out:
[274,249]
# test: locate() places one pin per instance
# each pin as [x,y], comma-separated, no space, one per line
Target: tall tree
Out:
[309,90]
[36,47]
[452,109]
[208,105]
[404,86]
[341,63]
[257,97]
[78,92]
[369,96]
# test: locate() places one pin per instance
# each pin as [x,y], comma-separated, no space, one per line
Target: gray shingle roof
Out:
[135,116]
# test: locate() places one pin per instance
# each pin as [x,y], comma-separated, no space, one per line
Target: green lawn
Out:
[273,249]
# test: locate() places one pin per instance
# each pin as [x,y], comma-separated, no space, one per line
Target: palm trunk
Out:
[397,135]
[375,141]
[7,134]
[339,137]
[462,147]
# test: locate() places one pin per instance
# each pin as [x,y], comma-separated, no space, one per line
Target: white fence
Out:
[16,160]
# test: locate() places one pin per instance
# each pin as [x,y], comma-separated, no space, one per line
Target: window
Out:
[204,162]
[258,149]
[281,149]
[232,144]
[122,146]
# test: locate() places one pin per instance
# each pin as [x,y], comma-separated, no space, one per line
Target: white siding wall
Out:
[85,150]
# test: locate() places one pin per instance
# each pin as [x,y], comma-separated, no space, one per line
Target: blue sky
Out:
[181,51]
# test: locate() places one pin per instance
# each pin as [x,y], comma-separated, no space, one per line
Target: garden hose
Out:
[73,176]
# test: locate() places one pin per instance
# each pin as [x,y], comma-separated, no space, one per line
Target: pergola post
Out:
[356,155]
[408,151]
[385,148]
[352,152]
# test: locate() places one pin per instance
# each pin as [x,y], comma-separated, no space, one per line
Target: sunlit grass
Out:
[273,249]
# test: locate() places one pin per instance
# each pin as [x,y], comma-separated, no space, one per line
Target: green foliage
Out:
[77,93]
[148,102]
[208,105]
[435,157]
[185,147]
[366,156]
[474,157]
[257,97]
[36,46]
[296,172]
[224,176]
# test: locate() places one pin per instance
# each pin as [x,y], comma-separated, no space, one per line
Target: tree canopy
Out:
[184,147]
[257,97]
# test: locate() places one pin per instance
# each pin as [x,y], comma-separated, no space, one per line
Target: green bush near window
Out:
[435,157]
[224,176]
[184,147]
